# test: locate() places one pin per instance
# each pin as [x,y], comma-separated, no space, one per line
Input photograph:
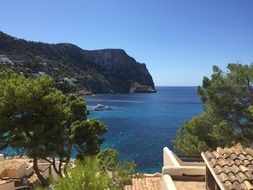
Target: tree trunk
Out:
[60,165]
[66,167]
[69,150]
[53,163]
[42,180]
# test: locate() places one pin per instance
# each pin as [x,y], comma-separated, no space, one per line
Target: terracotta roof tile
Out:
[230,161]
[216,154]
[249,151]
[233,156]
[218,169]
[209,154]
[249,157]
[247,163]
[235,169]
[243,168]
[232,166]
[221,162]
[213,162]
[232,178]
[224,177]
[248,185]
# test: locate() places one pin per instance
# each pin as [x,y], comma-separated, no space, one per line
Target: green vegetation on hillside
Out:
[75,69]
[227,120]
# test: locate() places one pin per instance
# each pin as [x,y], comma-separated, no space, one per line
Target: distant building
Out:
[70,81]
[18,173]
[5,60]
[40,73]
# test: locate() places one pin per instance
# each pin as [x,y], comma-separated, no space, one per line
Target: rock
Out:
[138,88]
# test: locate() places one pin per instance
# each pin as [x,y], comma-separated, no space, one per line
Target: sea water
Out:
[141,124]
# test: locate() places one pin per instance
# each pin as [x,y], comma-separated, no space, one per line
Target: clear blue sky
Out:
[179,40]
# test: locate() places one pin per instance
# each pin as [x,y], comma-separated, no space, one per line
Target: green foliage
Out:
[228,100]
[86,135]
[108,159]
[31,112]
[121,172]
[204,132]
[86,175]
[36,116]
[93,173]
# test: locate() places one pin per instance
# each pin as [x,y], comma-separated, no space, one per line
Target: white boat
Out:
[100,107]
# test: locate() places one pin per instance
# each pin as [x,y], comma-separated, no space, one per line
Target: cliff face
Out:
[99,71]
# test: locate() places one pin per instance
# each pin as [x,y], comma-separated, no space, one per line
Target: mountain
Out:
[75,69]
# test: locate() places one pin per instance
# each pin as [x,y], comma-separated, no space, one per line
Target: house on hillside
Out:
[4,60]
[17,172]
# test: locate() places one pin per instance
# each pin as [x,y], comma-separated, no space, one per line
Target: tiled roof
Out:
[146,182]
[11,165]
[233,167]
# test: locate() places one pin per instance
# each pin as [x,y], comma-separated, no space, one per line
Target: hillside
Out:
[75,69]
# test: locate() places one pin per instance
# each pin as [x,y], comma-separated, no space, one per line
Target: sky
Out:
[179,40]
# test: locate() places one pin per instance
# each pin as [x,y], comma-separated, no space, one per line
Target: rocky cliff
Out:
[75,69]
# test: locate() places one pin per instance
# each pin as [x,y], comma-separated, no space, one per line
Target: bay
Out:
[141,124]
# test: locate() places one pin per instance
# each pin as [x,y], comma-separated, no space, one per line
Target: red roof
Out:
[233,167]
[146,182]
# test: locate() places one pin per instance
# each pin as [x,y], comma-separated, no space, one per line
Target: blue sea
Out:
[141,124]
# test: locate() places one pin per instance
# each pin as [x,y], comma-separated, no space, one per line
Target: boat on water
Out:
[100,107]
